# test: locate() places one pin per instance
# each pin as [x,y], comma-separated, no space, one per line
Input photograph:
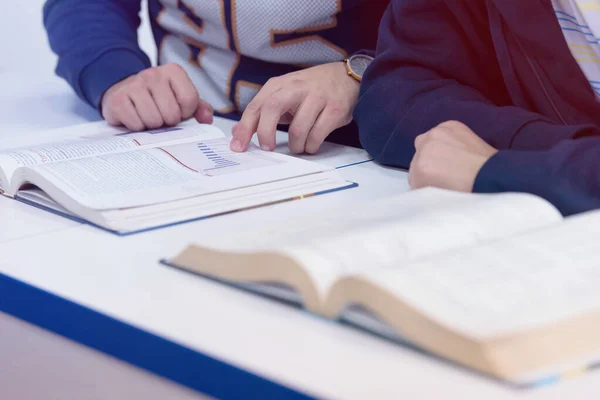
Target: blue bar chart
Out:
[219,161]
[214,157]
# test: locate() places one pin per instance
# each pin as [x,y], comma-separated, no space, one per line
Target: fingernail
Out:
[265,147]
[209,117]
[208,106]
[236,145]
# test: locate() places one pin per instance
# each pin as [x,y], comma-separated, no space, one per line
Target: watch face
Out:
[359,64]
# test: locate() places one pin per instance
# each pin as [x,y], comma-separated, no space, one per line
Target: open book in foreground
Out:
[501,284]
[128,182]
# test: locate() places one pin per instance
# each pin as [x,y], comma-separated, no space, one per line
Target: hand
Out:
[449,157]
[153,98]
[314,102]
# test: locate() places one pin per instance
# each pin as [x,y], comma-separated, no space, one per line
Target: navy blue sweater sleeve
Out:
[96,43]
[567,175]
[432,66]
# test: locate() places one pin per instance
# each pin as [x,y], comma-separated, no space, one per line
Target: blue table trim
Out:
[150,352]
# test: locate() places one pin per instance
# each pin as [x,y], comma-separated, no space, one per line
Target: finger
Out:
[440,134]
[184,90]
[111,106]
[326,123]
[243,131]
[415,180]
[456,127]
[124,113]
[410,171]
[167,103]
[286,119]
[460,136]
[147,109]
[455,133]
[280,103]
[415,175]
[303,121]
[419,140]
[248,125]
[204,113]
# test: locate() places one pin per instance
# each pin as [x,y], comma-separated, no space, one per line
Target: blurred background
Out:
[23,39]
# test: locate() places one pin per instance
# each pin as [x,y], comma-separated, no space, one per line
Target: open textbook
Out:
[133,181]
[498,283]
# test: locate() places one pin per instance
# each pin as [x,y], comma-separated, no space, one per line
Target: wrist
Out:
[478,165]
[109,69]
[357,65]
[347,79]
[105,97]
[485,180]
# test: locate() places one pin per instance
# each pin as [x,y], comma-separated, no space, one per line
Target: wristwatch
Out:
[357,65]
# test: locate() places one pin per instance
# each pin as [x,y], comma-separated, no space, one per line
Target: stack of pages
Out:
[127,182]
[501,284]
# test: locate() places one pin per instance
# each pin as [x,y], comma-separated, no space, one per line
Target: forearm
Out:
[567,175]
[420,79]
[96,43]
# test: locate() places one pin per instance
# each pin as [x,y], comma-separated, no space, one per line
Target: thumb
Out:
[204,113]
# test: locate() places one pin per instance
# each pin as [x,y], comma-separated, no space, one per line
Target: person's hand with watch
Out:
[314,102]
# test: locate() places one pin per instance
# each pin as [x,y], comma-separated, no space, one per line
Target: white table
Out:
[102,275]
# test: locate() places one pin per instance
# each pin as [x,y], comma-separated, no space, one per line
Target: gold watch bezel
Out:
[350,72]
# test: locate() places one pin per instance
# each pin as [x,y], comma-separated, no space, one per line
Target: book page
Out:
[509,286]
[408,227]
[100,143]
[162,174]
